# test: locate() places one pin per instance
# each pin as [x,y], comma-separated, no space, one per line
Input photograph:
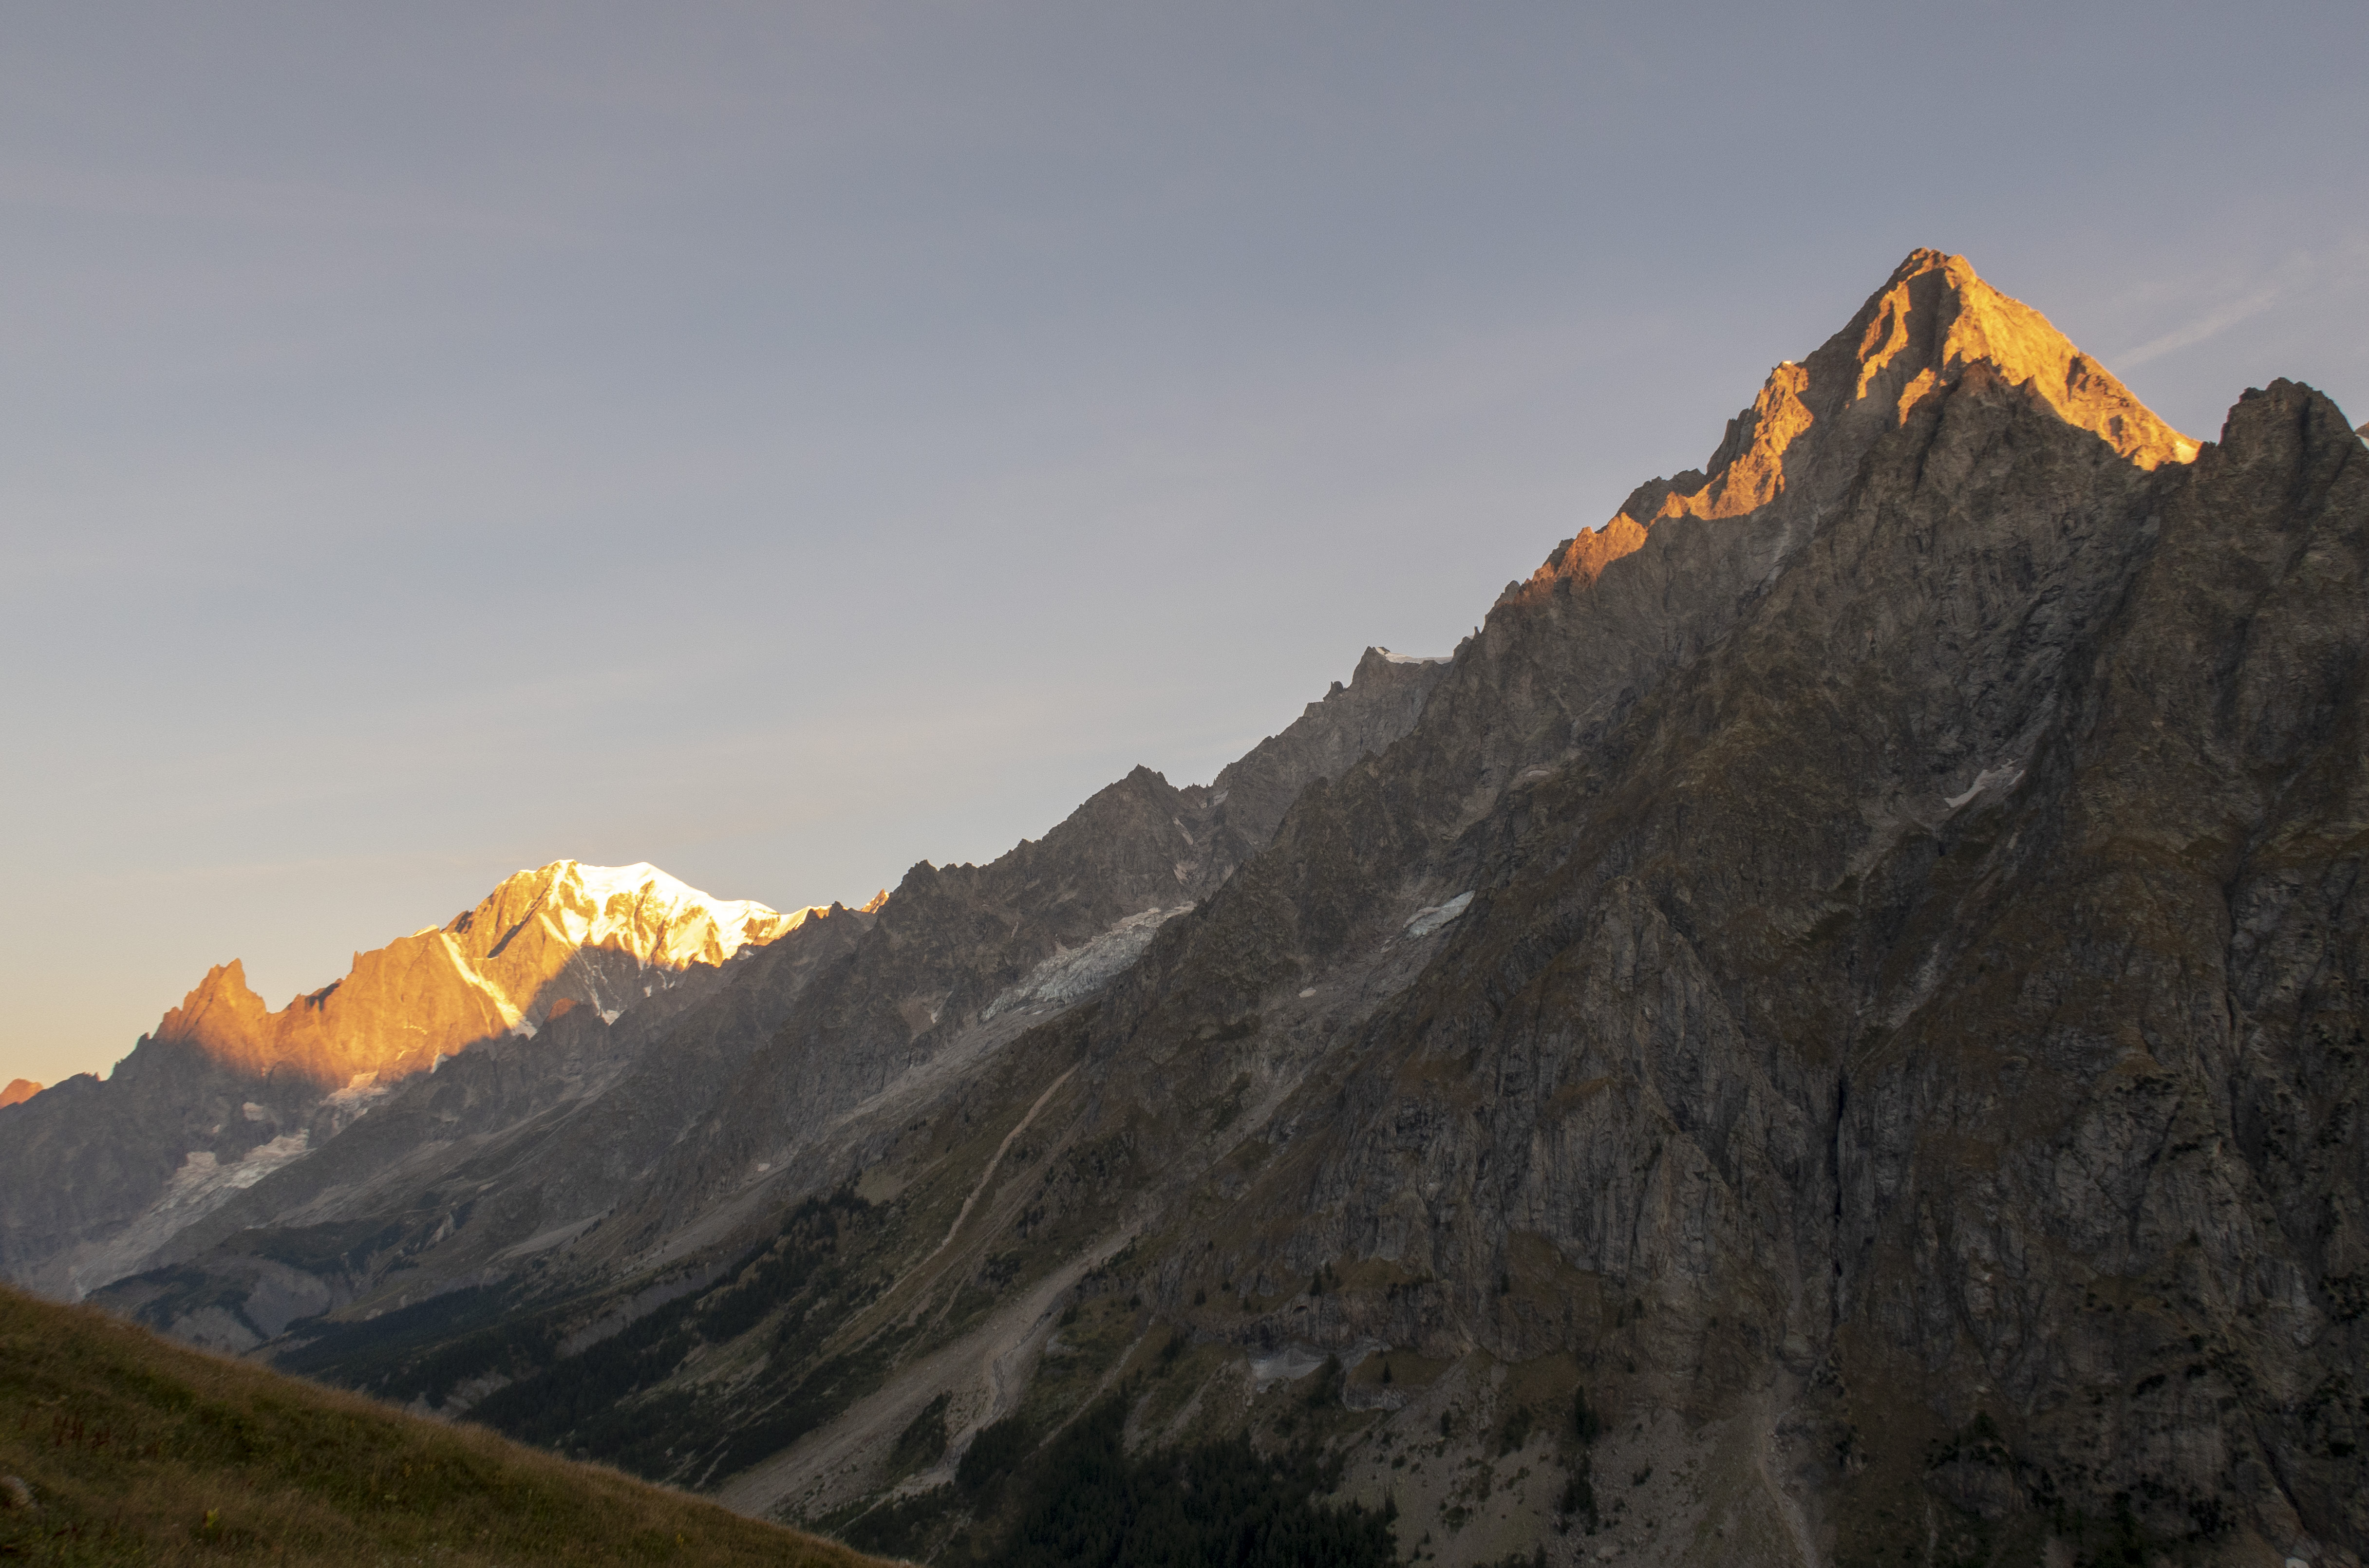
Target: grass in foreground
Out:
[137,1450]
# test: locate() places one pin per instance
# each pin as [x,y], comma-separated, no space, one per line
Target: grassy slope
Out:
[137,1450]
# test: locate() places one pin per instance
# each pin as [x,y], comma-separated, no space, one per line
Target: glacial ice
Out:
[1082,971]
[1423,921]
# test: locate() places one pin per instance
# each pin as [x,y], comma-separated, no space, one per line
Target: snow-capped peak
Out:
[561,936]
[660,918]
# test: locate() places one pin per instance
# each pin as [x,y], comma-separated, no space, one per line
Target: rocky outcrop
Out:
[1351,723]
[20,1089]
[1917,336]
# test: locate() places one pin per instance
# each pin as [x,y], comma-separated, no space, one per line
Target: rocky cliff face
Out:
[98,1176]
[1341,730]
[1829,1031]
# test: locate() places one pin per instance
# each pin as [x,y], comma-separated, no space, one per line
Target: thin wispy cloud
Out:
[2302,284]
[2206,325]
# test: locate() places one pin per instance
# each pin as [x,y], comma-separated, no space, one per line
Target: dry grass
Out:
[137,1450]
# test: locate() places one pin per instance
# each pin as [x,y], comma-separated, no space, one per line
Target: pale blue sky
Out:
[783,443]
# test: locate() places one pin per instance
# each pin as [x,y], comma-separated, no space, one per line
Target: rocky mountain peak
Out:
[20,1089]
[636,908]
[220,1012]
[589,935]
[1933,320]
[1973,322]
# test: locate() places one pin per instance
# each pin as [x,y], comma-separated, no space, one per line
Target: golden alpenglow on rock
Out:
[1930,323]
[596,936]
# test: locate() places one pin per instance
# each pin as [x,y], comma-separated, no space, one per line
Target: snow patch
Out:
[360,1092]
[1413,658]
[503,1008]
[202,1184]
[2006,776]
[265,1157]
[1081,971]
[641,910]
[1292,1363]
[1423,921]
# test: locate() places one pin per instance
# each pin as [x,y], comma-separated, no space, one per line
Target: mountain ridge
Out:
[595,1094]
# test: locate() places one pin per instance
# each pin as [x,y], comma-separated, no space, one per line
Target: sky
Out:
[784,443]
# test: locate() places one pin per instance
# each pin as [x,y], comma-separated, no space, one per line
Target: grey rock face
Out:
[1929,1002]
[85,1160]
[951,940]
[1385,695]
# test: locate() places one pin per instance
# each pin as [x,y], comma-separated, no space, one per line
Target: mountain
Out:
[605,1007]
[566,935]
[95,1176]
[133,1450]
[19,1091]
[1827,1032]
[507,1160]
